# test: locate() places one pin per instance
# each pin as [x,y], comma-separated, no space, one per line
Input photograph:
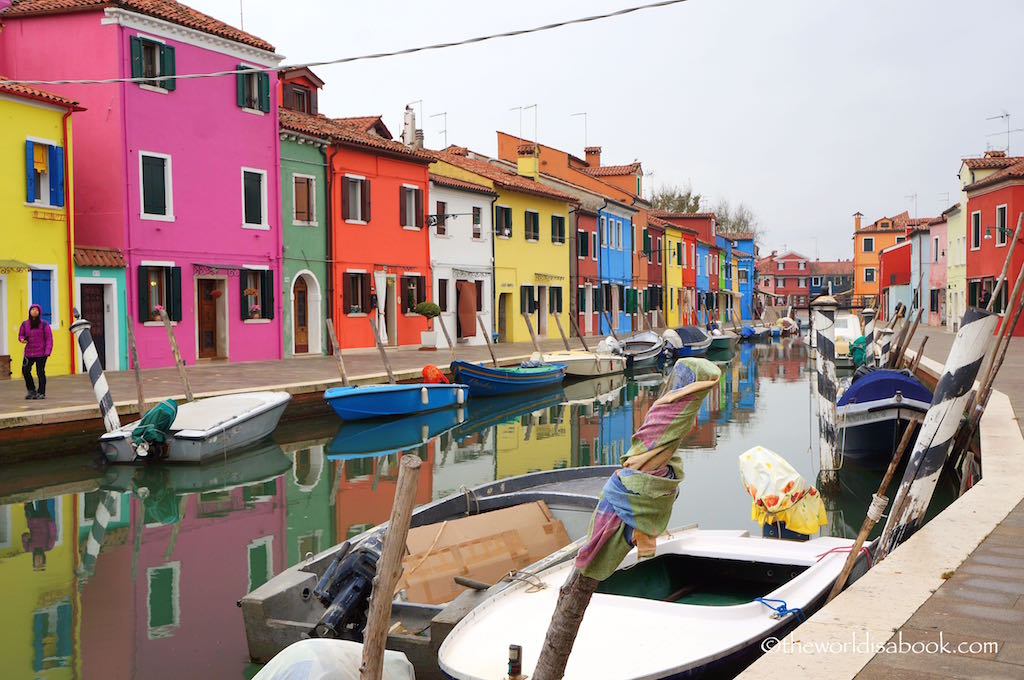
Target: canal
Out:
[184,543]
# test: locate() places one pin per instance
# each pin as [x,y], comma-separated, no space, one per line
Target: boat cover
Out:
[636,502]
[324,659]
[747,332]
[690,335]
[882,385]
[780,493]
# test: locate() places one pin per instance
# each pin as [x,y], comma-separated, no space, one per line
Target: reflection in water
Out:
[183,543]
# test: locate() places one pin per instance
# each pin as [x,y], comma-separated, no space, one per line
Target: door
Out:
[503,303]
[465,303]
[93,311]
[207,313]
[588,319]
[300,316]
[42,294]
[391,310]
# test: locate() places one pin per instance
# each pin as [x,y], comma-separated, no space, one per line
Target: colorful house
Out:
[792,279]
[669,255]
[937,273]
[179,175]
[654,238]
[920,264]
[100,297]
[894,279]
[831,277]
[956,265]
[696,231]
[744,253]
[531,256]
[583,270]
[871,239]
[38,225]
[725,297]
[305,284]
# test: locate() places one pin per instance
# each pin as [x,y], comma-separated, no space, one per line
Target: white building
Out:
[461,257]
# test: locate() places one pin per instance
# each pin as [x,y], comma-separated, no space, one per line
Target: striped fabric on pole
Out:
[98,530]
[100,389]
[939,428]
[824,313]
[869,336]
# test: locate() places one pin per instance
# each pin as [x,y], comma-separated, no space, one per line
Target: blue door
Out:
[41,291]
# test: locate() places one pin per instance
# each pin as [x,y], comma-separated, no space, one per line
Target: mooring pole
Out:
[133,354]
[825,356]
[533,336]
[579,333]
[178,361]
[380,348]
[869,336]
[487,339]
[337,351]
[561,331]
[447,338]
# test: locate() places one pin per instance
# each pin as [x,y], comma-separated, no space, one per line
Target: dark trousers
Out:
[26,370]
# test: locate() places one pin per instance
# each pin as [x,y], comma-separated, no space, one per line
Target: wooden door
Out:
[207,319]
[93,311]
[300,317]
[465,304]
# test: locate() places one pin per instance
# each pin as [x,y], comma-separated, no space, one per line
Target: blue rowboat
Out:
[368,438]
[873,412]
[377,401]
[485,381]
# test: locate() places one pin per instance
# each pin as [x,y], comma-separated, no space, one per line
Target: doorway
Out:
[465,305]
[300,316]
[542,311]
[588,310]
[211,327]
[391,311]
[503,307]
[94,311]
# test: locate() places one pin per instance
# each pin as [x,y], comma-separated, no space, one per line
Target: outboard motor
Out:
[344,590]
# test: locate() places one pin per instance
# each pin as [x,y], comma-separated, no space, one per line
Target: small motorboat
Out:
[206,428]
[641,349]
[595,390]
[487,381]
[847,330]
[383,401]
[723,340]
[706,599]
[873,412]
[752,333]
[687,341]
[581,364]
[383,437]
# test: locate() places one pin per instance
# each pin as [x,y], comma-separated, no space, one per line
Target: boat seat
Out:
[207,414]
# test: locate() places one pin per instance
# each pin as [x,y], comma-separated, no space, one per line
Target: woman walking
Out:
[38,340]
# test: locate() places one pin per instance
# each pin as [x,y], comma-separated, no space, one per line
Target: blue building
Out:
[703,281]
[832,277]
[726,301]
[615,267]
[744,254]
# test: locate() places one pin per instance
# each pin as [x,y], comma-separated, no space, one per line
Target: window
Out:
[679,253]
[743,275]
[604,231]
[618,232]
[44,173]
[254,198]
[410,207]
[159,286]
[557,229]
[356,292]
[935,249]
[800,282]
[659,251]
[555,300]
[868,245]
[581,300]
[162,602]
[252,89]
[414,291]
[355,199]
[478,219]
[869,275]
[304,198]
[440,212]
[779,283]
[582,244]
[975,230]
[527,303]
[299,98]
[901,239]
[933,301]
[1001,225]
[151,59]
[815,280]
[646,235]
[803,265]
[257,289]
[442,294]
[532,220]
[782,265]
[479,295]
[155,186]
[503,221]
[682,251]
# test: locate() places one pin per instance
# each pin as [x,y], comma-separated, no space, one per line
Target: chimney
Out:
[856,219]
[593,154]
[409,127]
[526,164]
[991,153]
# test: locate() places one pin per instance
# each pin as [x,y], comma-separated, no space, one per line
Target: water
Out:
[184,543]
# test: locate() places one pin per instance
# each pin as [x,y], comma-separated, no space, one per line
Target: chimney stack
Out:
[593,154]
[418,143]
[991,153]
[527,163]
[856,219]
[409,127]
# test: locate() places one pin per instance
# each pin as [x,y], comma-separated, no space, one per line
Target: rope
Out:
[782,609]
[846,549]
[433,544]
[877,507]
[470,494]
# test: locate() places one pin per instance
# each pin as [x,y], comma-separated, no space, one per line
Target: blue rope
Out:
[783,609]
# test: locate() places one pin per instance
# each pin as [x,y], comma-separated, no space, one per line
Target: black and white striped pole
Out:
[869,335]
[952,394]
[824,312]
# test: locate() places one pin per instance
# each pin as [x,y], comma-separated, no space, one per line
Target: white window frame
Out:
[359,203]
[1001,233]
[815,280]
[264,225]
[168,188]
[595,242]
[312,193]
[801,265]
[525,235]
[168,630]
[54,292]
[578,232]
[970,234]
[874,275]
[604,232]
[864,244]
[618,231]
[411,214]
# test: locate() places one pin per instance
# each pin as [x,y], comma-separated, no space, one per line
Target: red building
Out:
[694,227]
[894,278]
[994,205]
[586,271]
[787,277]
[654,295]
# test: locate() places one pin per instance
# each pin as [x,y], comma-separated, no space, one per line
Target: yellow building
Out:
[531,251]
[538,440]
[37,227]
[673,275]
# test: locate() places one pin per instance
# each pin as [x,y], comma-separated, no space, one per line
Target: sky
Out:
[805,110]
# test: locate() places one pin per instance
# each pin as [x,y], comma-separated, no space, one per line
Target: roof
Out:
[371,124]
[37,94]
[895,246]
[669,214]
[461,184]
[659,222]
[168,10]
[96,256]
[992,160]
[832,268]
[301,72]
[611,170]
[1010,172]
[737,235]
[505,179]
[350,131]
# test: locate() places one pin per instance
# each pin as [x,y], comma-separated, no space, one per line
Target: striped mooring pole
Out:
[940,425]
[869,335]
[824,312]
[111,422]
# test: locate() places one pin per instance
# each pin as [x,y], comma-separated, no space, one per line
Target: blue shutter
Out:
[30,172]
[41,292]
[56,168]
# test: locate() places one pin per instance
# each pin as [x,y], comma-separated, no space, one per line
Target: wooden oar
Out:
[337,351]
[380,348]
[177,355]
[487,339]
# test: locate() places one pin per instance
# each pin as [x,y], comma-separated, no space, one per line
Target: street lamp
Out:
[1005,232]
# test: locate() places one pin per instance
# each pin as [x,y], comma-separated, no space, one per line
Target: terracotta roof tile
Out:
[37,94]
[95,256]
[346,131]
[168,10]
[452,183]
[673,215]
[992,160]
[501,177]
[832,268]
[1012,171]
[612,170]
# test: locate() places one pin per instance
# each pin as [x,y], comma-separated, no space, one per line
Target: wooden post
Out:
[573,599]
[906,341]
[561,331]
[1006,264]
[177,355]
[611,326]
[133,354]
[380,348]
[337,351]
[533,336]
[920,353]
[487,339]
[579,332]
[447,338]
[389,568]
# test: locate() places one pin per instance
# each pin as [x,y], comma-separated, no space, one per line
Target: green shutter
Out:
[135,43]
[240,85]
[154,185]
[647,300]
[174,293]
[167,67]
[647,241]
[267,294]
[524,305]
[581,294]
[264,85]
[243,299]
[143,289]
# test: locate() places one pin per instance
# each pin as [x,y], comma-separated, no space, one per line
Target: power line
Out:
[365,57]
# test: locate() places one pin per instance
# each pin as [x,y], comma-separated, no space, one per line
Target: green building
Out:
[100,298]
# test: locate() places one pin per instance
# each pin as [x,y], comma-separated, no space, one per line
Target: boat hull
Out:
[870,437]
[723,342]
[482,381]
[367,438]
[580,364]
[388,401]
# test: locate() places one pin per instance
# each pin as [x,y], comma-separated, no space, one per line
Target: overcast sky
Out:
[806,110]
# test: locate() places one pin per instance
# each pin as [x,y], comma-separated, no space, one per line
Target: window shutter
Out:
[346,209]
[419,207]
[533,299]
[679,253]
[174,293]
[167,67]
[267,294]
[558,298]
[647,241]
[243,299]
[551,301]
[264,86]
[364,302]
[286,95]
[421,289]
[312,101]
[524,305]
[365,196]
[143,291]
[135,44]
[30,172]
[403,209]
[55,156]
[239,84]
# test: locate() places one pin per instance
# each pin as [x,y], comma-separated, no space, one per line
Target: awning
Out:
[13,265]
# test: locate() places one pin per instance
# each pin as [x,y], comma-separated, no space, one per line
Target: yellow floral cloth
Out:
[780,494]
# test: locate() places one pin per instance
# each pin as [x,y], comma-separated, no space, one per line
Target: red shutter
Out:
[366,200]
[403,213]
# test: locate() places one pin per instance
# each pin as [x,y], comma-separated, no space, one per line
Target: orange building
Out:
[871,239]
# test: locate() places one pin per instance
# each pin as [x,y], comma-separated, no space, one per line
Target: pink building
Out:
[180,175]
[937,272]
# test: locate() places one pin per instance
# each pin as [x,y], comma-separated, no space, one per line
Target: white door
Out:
[588,307]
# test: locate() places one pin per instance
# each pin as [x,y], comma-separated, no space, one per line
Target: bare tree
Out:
[735,219]
[677,199]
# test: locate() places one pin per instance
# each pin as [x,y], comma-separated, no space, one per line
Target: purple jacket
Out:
[42,534]
[39,339]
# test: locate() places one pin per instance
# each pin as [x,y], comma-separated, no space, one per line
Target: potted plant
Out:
[254,312]
[428,338]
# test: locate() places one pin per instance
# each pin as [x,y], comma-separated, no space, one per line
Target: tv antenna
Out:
[584,114]
[1005,115]
[912,197]
[445,130]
